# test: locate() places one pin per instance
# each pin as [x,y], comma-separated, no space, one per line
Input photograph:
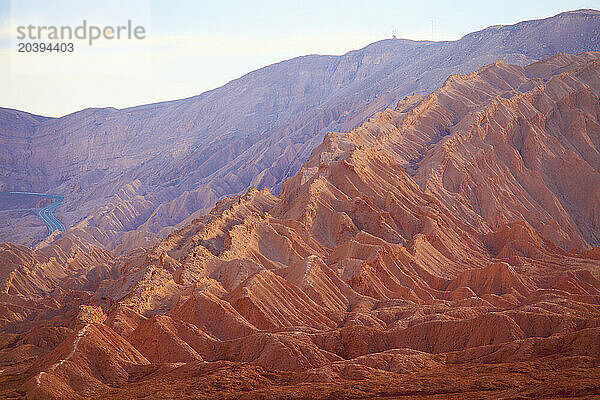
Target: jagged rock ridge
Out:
[420,254]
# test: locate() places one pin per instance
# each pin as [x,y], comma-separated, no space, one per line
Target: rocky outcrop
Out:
[424,253]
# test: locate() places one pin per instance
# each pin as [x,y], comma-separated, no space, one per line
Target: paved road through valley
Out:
[45,213]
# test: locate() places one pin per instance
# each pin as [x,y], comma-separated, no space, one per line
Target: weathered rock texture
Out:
[421,254]
[129,176]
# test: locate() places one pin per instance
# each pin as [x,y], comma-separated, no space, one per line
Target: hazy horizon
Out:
[209,45]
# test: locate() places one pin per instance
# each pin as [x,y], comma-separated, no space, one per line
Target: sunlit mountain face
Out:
[130,176]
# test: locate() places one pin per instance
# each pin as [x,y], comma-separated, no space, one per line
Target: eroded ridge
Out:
[446,247]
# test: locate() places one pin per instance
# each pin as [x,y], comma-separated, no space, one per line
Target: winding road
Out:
[45,213]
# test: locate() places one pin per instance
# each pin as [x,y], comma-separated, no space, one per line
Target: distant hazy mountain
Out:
[129,175]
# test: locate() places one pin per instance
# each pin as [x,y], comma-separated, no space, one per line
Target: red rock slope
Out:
[443,249]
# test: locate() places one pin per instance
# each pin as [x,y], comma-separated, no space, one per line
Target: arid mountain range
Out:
[130,176]
[446,247]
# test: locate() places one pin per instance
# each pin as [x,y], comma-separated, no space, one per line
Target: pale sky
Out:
[194,46]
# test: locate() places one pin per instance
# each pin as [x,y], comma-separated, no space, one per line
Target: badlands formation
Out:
[130,176]
[445,248]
